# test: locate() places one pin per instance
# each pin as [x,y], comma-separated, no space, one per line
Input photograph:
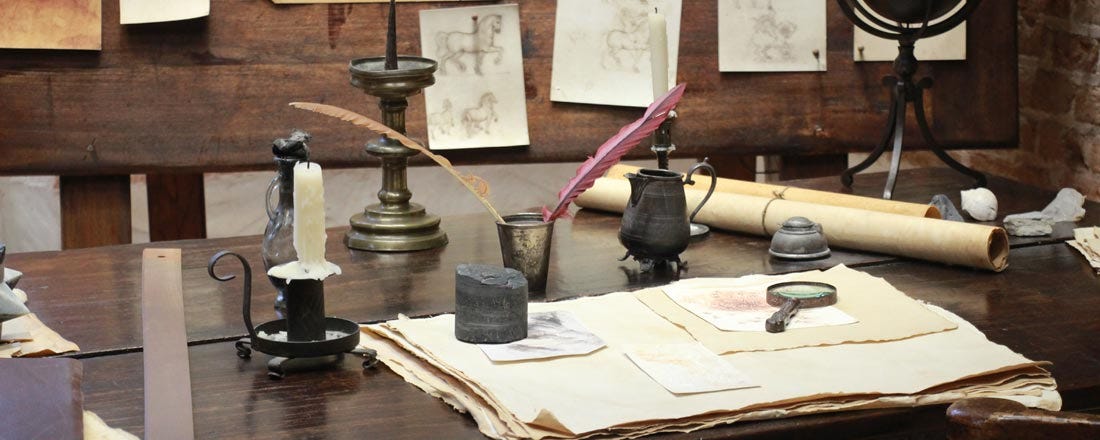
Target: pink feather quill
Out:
[611,151]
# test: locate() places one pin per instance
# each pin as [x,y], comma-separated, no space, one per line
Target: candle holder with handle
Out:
[306,338]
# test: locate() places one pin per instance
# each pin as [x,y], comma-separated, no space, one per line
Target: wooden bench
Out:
[175,100]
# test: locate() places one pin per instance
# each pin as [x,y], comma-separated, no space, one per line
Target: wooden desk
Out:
[1043,306]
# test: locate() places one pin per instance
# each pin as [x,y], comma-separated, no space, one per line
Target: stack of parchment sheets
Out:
[900,353]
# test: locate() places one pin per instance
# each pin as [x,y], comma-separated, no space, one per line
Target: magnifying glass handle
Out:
[779,320]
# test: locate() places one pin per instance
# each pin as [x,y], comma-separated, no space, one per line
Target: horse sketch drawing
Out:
[452,47]
[771,37]
[627,43]
[482,117]
[442,123]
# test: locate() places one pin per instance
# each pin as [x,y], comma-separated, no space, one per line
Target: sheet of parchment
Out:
[601,51]
[51,24]
[36,339]
[1087,242]
[950,45]
[478,99]
[884,314]
[96,429]
[734,186]
[741,304]
[572,392]
[302,2]
[771,35]
[964,244]
[1030,386]
[686,368]
[156,11]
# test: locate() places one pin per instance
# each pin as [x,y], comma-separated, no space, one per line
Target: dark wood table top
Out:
[1043,306]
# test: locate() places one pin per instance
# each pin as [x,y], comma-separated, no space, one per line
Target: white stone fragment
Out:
[1028,227]
[980,203]
[1066,206]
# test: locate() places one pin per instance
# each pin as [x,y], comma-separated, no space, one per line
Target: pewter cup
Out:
[525,246]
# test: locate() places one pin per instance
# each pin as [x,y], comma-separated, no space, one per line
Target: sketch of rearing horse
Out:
[451,46]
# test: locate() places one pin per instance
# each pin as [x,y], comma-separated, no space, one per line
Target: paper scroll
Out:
[964,244]
[744,187]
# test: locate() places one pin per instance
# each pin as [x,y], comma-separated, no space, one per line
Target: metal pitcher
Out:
[655,223]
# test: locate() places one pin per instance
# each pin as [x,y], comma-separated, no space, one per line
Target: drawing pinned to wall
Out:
[157,11]
[478,99]
[601,51]
[948,46]
[51,24]
[771,35]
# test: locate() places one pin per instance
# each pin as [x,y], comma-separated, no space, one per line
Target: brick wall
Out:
[1059,44]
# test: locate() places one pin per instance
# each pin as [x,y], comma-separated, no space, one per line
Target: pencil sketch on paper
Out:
[771,35]
[481,117]
[442,122]
[771,39]
[626,43]
[602,53]
[479,98]
[549,334]
[452,47]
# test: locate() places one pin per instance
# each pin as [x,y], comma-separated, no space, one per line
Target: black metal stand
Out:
[306,339]
[905,91]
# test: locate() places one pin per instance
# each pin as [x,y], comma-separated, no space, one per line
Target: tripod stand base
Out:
[905,92]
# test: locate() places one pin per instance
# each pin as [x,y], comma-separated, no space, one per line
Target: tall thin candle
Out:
[391,38]
[658,53]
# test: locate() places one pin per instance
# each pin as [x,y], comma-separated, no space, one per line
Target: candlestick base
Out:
[409,228]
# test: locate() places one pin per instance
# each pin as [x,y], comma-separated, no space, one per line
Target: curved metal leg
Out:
[847,176]
[922,122]
[244,348]
[370,357]
[899,133]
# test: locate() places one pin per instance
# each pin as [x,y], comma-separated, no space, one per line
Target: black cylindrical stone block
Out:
[490,304]
[305,310]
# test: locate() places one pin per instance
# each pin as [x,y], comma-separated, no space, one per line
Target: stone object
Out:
[11,306]
[947,209]
[490,304]
[1025,226]
[980,204]
[1067,206]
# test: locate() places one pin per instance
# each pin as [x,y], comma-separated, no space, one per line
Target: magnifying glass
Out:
[792,296]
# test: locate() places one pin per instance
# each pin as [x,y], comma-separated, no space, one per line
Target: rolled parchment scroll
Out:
[769,191]
[932,239]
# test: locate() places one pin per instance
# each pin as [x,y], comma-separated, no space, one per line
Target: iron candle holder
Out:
[306,338]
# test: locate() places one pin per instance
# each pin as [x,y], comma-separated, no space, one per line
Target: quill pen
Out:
[478,186]
[612,150]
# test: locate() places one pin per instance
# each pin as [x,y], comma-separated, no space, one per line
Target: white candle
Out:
[658,54]
[309,214]
[309,228]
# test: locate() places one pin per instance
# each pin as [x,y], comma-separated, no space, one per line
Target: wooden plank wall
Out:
[210,94]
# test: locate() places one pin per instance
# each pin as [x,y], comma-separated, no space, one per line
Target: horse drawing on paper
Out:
[441,123]
[480,118]
[452,46]
[627,42]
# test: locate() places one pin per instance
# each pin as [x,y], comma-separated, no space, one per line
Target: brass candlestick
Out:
[394,224]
